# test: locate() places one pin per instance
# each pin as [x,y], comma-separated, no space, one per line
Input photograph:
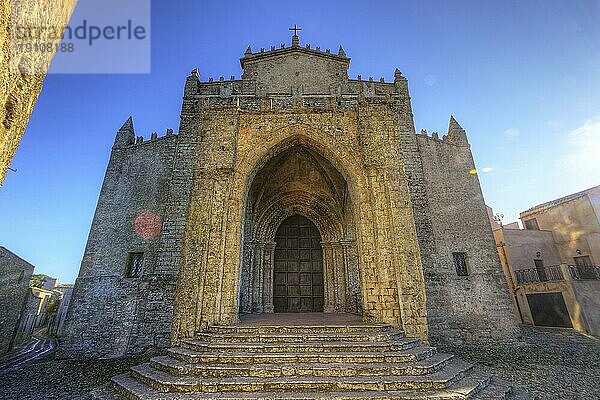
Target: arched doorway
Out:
[298,267]
[299,216]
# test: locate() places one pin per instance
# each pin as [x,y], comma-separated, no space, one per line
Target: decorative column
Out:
[267,282]
[257,278]
[353,302]
[328,278]
[246,278]
[339,277]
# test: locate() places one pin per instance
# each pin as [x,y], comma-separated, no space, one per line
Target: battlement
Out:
[126,135]
[250,56]
[211,81]
[456,135]
[154,136]
[221,91]
[435,136]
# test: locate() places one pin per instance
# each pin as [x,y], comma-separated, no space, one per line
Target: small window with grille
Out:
[135,263]
[460,263]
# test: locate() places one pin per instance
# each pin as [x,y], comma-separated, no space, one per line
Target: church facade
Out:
[292,189]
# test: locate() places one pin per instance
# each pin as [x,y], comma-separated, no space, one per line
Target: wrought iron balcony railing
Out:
[554,273]
[548,273]
[584,272]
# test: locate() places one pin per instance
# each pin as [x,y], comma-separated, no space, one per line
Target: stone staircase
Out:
[350,362]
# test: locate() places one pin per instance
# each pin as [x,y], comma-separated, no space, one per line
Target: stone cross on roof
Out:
[295,39]
[295,29]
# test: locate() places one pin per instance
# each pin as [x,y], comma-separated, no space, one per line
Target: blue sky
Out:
[521,77]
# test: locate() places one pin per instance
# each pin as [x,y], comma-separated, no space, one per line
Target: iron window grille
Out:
[135,264]
[460,263]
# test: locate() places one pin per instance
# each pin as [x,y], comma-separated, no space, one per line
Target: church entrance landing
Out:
[301,319]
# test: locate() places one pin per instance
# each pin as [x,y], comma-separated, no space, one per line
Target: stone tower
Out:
[292,189]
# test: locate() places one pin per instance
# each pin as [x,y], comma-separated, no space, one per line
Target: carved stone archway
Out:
[299,181]
[367,205]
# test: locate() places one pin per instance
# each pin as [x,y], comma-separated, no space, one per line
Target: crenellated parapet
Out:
[246,94]
[455,136]
[250,56]
[126,136]
[222,87]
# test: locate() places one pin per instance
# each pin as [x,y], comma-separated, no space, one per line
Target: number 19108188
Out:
[46,47]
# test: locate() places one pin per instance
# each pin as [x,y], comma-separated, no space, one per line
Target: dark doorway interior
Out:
[298,269]
[541,271]
[549,309]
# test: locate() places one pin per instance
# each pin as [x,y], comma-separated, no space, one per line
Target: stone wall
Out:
[586,293]
[477,306]
[521,247]
[112,314]
[28,317]
[15,274]
[21,72]
[313,72]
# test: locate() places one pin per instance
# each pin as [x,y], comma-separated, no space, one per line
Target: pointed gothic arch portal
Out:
[299,244]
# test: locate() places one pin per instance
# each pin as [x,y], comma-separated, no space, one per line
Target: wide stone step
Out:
[276,337]
[127,387]
[471,384]
[413,354]
[310,329]
[315,347]
[177,367]
[166,382]
[303,363]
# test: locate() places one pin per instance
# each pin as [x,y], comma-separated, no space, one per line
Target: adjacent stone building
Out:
[23,66]
[552,265]
[292,189]
[62,295]
[14,287]
[45,310]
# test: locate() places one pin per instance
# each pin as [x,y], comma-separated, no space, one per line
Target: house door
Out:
[298,269]
[541,271]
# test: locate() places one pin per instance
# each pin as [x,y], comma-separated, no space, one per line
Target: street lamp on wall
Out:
[498,218]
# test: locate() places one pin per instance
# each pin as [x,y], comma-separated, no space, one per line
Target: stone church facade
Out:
[292,189]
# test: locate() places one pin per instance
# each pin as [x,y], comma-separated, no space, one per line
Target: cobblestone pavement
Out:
[62,379]
[37,347]
[552,364]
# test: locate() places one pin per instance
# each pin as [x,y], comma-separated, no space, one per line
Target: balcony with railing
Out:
[584,272]
[550,273]
[556,273]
